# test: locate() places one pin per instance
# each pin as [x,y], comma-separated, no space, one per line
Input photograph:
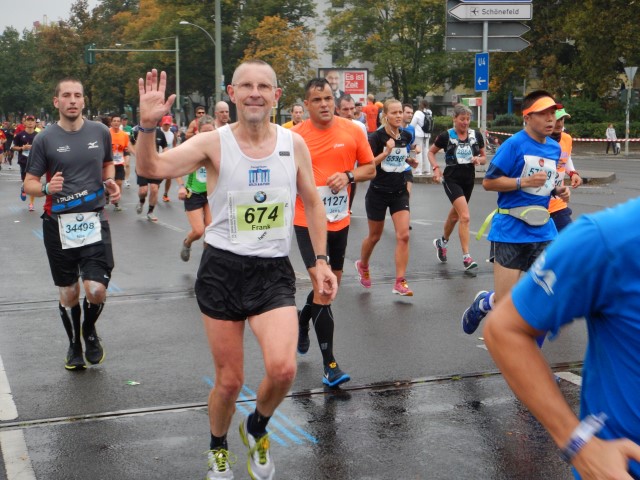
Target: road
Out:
[425,400]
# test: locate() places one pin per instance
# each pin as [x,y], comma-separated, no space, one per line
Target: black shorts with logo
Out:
[143,182]
[195,201]
[92,262]
[458,181]
[517,256]
[119,172]
[336,247]
[234,287]
[376,203]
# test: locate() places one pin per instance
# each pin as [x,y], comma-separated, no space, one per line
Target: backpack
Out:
[427,123]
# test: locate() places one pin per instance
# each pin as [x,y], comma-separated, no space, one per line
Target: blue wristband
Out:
[146,130]
[584,432]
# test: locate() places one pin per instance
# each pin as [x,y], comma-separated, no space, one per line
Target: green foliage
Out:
[583,110]
[507,120]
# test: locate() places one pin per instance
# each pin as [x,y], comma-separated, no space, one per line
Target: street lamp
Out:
[218,53]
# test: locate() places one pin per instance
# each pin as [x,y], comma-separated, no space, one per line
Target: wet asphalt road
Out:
[425,400]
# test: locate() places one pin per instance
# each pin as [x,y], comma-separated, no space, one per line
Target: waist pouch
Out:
[533,215]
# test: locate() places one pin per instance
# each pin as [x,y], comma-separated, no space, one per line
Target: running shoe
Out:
[469,265]
[185,252]
[165,198]
[220,462]
[363,274]
[333,376]
[31,207]
[127,184]
[441,250]
[23,196]
[402,288]
[152,217]
[303,337]
[139,208]
[259,463]
[94,353]
[117,208]
[472,316]
[74,359]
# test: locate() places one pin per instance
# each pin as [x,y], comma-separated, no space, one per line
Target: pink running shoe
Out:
[401,288]
[363,274]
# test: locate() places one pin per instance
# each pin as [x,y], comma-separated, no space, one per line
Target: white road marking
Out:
[8,410]
[15,455]
[570,377]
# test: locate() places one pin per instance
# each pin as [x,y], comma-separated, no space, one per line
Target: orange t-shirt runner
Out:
[371,112]
[120,145]
[566,145]
[335,149]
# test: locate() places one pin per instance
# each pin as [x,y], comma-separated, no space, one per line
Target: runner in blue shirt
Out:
[598,282]
[523,172]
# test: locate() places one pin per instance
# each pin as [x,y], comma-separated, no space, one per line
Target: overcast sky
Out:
[21,15]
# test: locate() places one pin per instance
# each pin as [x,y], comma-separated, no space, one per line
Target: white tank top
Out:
[252,204]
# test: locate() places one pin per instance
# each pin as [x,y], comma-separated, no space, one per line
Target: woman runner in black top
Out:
[390,145]
[464,149]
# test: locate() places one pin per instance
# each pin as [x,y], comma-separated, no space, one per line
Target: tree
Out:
[287,49]
[403,39]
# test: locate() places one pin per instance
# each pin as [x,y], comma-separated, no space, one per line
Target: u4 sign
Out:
[482,72]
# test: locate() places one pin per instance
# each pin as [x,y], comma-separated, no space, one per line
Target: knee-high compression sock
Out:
[257,424]
[305,312]
[71,321]
[91,314]
[322,317]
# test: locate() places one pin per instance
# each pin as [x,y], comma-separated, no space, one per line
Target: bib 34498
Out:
[79,229]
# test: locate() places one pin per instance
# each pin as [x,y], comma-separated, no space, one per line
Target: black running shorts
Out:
[517,256]
[376,203]
[458,182]
[234,287]
[143,182]
[195,201]
[119,172]
[93,262]
[336,247]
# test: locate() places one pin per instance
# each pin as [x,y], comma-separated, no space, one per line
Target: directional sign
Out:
[496,29]
[474,44]
[482,72]
[480,12]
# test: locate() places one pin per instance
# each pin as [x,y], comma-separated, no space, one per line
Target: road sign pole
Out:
[485,48]
[631,72]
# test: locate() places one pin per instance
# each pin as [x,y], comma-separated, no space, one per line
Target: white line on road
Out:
[15,455]
[8,409]
[570,377]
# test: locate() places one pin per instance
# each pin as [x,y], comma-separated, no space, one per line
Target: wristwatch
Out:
[323,257]
[350,176]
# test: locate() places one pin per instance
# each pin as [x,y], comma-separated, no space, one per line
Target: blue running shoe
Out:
[472,316]
[23,196]
[333,376]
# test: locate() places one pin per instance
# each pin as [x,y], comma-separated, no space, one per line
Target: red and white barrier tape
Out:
[621,140]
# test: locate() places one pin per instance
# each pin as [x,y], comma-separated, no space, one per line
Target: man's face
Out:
[333,78]
[358,110]
[70,100]
[559,125]
[296,114]
[222,114]
[320,104]
[30,122]
[347,109]
[116,122]
[166,126]
[254,92]
[199,112]
[124,122]
[407,115]
[541,124]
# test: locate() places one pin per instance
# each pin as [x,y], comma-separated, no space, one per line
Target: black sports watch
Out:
[350,176]
[323,257]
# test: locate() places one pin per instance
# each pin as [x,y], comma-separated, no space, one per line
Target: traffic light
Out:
[89,54]
[622,95]
[635,96]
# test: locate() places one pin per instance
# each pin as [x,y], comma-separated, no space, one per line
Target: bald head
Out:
[221,113]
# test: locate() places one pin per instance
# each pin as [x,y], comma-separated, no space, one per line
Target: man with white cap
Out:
[558,208]
[172,141]
[523,172]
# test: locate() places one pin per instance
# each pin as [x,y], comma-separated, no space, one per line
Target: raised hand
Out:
[152,103]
